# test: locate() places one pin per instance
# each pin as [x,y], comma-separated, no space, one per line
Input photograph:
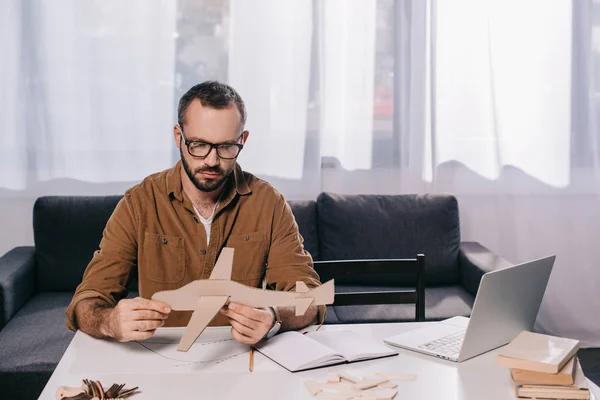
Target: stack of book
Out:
[544,367]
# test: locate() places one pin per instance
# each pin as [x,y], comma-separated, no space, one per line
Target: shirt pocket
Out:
[249,257]
[164,258]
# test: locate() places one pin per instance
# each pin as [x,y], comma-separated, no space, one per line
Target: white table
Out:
[162,378]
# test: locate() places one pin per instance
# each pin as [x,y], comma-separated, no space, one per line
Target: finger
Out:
[140,303]
[242,319]
[249,312]
[244,330]
[135,335]
[148,315]
[241,338]
[144,326]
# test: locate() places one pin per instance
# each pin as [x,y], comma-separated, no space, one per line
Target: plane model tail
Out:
[320,295]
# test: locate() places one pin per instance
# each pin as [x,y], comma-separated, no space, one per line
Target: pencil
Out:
[251,363]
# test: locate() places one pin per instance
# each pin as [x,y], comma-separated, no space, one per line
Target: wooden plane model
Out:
[207,296]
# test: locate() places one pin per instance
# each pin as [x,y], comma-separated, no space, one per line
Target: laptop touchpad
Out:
[423,335]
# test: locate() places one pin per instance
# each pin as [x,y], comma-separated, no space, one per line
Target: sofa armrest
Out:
[17,281]
[474,261]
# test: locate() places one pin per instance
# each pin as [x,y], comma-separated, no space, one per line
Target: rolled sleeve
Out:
[106,276]
[288,261]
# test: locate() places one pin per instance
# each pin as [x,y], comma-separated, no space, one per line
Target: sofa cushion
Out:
[305,213]
[392,226]
[440,303]
[67,230]
[32,344]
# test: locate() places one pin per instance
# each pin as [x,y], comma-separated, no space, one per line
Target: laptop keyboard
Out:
[448,345]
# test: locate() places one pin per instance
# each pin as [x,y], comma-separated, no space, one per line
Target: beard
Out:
[206,185]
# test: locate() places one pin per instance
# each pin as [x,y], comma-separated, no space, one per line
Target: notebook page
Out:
[351,345]
[295,351]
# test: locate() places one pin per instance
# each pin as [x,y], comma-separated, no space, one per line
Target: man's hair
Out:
[211,94]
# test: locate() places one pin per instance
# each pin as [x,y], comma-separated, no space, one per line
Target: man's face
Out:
[211,126]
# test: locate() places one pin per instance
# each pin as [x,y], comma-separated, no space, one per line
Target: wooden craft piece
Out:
[315,387]
[389,385]
[333,377]
[368,384]
[200,319]
[66,392]
[350,377]
[223,266]
[394,376]
[301,287]
[338,395]
[93,390]
[219,285]
[380,394]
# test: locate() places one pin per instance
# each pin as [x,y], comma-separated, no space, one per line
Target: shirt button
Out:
[164,241]
[203,252]
[246,238]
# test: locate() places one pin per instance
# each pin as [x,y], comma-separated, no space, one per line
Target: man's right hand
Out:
[135,319]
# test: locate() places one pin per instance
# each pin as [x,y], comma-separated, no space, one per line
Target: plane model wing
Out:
[206,309]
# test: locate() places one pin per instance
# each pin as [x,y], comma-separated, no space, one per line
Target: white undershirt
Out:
[207,222]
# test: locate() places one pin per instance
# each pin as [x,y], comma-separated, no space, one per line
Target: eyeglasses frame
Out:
[212,146]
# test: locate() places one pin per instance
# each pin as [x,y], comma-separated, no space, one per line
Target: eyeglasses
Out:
[226,151]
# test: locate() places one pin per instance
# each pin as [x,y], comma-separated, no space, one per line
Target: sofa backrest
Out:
[67,230]
[392,226]
[305,213]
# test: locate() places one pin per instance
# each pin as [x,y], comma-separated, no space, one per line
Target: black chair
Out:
[344,271]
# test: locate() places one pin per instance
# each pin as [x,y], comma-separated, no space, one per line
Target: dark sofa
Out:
[37,283]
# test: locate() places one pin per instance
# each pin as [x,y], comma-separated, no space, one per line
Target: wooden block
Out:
[380,394]
[368,384]
[67,392]
[395,376]
[333,377]
[341,395]
[326,396]
[388,385]
[338,386]
[350,377]
[313,387]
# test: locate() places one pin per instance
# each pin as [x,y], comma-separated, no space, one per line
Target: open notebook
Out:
[296,351]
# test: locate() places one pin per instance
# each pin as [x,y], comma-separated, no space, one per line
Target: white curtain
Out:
[494,101]
[491,98]
[269,65]
[89,90]
[502,86]
[13,138]
[347,55]
[488,112]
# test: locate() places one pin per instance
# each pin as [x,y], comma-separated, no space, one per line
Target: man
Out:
[171,227]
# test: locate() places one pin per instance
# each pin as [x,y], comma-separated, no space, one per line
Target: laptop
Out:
[507,303]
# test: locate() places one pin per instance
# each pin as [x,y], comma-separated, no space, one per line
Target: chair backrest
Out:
[345,271]
[356,227]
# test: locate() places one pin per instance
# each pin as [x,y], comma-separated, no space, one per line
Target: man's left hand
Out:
[248,325]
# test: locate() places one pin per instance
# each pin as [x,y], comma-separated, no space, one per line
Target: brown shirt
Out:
[155,233]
